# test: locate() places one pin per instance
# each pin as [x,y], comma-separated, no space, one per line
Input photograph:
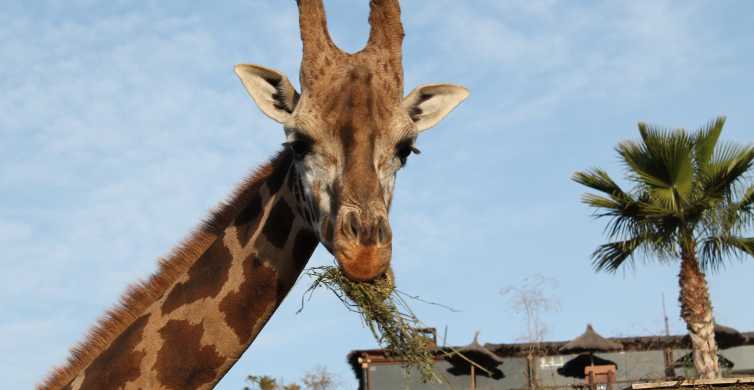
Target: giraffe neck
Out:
[190,335]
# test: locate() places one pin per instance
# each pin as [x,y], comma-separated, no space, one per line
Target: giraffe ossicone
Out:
[347,133]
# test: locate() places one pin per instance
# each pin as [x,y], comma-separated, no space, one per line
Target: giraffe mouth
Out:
[364,264]
[362,243]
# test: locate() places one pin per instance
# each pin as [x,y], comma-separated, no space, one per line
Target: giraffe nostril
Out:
[351,225]
[383,231]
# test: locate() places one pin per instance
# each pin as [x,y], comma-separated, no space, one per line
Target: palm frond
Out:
[728,152]
[624,213]
[611,256]
[674,150]
[744,209]
[611,206]
[705,140]
[677,156]
[715,249]
[643,166]
[747,200]
[620,207]
[624,224]
[727,168]
[599,180]
[665,201]
[629,216]
[662,162]
[657,207]
[728,217]
[744,244]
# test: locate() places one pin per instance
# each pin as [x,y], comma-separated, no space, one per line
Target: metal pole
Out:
[667,351]
[365,372]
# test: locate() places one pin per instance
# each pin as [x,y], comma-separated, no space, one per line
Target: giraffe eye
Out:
[300,147]
[404,149]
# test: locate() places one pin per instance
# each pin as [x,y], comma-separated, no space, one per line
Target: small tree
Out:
[261,382]
[264,382]
[319,379]
[689,203]
[530,300]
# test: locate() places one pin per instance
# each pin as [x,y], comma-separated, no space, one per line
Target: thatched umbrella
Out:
[725,336]
[589,343]
[466,361]
[575,368]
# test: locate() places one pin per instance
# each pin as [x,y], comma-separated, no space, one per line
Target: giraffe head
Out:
[350,130]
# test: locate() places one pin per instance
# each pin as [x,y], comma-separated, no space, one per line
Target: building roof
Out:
[547,348]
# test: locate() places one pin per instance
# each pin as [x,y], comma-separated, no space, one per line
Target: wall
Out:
[632,366]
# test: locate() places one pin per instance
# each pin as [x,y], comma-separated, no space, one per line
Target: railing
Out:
[615,385]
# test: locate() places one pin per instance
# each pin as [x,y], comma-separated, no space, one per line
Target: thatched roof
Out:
[459,359]
[725,336]
[590,341]
[631,343]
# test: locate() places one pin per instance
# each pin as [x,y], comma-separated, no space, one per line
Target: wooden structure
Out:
[600,377]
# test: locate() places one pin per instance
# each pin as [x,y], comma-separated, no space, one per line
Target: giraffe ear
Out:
[270,89]
[429,103]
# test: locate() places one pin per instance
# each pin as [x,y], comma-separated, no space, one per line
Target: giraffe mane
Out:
[140,295]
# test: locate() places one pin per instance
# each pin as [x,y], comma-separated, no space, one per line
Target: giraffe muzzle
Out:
[363,244]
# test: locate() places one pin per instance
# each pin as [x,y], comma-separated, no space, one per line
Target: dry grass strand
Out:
[385,313]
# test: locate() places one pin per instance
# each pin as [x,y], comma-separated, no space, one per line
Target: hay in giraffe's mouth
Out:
[384,312]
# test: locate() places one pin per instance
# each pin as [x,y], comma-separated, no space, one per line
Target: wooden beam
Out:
[693,382]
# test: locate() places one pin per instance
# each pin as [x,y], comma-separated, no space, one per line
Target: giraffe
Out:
[346,135]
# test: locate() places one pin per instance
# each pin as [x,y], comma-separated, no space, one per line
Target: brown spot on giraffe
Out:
[182,362]
[244,308]
[279,227]
[303,247]
[279,173]
[248,219]
[119,363]
[205,278]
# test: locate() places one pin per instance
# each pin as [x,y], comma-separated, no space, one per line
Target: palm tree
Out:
[688,202]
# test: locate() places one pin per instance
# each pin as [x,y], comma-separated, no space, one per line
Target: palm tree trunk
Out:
[696,310]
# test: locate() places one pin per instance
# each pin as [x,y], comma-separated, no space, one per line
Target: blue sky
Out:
[122,123]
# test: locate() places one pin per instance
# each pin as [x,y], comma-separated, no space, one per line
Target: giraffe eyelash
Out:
[301,145]
[404,149]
